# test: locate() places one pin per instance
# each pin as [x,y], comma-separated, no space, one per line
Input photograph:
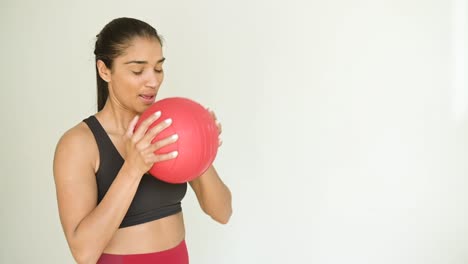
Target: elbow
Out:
[222,218]
[220,212]
[85,258]
[85,255]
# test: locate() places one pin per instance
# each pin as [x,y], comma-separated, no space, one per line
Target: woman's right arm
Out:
[89,227]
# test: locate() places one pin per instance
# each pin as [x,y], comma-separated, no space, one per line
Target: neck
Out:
[116,117]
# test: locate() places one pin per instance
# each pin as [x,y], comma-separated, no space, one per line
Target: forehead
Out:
[142,49]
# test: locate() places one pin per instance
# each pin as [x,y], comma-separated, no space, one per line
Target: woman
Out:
[111,210]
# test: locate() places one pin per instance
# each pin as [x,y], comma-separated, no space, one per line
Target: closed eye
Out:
[137,73]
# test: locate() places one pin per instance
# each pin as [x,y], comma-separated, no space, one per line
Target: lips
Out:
[147,98]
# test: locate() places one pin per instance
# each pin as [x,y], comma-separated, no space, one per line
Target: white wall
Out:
[345,123]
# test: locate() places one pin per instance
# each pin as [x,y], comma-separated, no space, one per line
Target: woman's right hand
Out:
[140,154]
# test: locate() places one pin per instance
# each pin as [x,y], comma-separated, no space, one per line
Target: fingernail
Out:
[174,153]
[174,137]
[168,121]
[157,114]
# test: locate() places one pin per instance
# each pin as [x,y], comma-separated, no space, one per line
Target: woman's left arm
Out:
[213,195]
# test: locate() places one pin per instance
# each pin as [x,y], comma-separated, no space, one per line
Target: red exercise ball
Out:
[197,143]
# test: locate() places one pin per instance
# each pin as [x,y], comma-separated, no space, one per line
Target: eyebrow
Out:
[144,62]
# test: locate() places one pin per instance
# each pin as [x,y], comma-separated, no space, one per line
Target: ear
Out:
[103,71]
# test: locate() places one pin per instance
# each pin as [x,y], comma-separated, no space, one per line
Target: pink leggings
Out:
[176,255]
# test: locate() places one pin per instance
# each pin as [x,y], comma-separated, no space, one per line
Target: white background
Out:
[345,123]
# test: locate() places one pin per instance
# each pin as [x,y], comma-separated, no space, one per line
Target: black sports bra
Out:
[154,198]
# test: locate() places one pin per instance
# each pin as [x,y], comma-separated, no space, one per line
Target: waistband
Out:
[175,255]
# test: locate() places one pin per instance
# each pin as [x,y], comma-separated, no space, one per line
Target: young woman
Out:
[111,209]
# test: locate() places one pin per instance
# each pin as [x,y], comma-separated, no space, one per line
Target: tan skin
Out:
[92,229]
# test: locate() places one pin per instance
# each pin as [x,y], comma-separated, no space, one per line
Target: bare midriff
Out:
[154,236]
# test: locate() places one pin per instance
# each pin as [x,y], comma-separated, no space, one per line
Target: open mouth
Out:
[147,98]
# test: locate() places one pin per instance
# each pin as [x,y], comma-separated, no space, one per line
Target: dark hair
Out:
[112,41]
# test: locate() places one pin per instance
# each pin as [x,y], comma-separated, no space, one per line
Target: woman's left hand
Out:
[218,125]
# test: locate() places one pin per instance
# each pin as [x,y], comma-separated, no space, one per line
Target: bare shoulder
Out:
[77,135]
[76,146]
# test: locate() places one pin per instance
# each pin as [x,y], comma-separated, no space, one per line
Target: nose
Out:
[154,80]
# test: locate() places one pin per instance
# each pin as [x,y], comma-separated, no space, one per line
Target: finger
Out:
[211,112]
[148,138]
[220,127]
[163,142]
[131,126]
[218,124]
[141,131]
[166,156]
